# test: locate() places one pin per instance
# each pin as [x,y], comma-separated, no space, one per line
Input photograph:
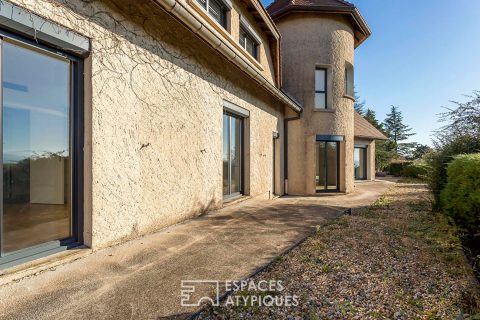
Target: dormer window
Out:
[217,10]
[248,39]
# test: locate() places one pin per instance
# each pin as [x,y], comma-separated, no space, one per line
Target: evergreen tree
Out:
[359,106]
[371,117]
[396,130]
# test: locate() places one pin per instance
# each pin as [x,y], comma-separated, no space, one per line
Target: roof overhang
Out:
[360,27]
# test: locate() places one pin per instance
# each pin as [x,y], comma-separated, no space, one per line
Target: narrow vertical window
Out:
[320,88]
[349,80]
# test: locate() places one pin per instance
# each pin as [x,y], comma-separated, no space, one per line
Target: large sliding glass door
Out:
[232,155]
[37,98]
[327,157]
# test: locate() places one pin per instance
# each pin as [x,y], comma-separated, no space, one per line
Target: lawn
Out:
[394,260]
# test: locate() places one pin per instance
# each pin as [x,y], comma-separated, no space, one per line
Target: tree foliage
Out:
[359,105]
[371,117]
[397,131]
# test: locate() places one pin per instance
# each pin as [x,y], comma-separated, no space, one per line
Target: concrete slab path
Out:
[141,279]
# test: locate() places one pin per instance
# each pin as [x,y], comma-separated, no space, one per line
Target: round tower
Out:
[318,39]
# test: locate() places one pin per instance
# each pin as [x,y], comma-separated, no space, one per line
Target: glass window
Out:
[37,154]
[248,43]
[216,9]
[349,85]
[320,89]
[232,154]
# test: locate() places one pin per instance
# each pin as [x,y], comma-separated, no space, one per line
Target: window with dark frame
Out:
[248,42]
[216,9]
[51,130]
[320,88]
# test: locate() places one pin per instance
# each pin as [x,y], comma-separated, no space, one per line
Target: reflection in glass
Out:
[232,154]
[360,163]
[236,155]
[331,165]
[36,147]
[320,167]
[326,164]
[226,152]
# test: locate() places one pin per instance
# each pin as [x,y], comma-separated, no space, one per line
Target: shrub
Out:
[461,197]
[415,170]
[438,160]
[396,168]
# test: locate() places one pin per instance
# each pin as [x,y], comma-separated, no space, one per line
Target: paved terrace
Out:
[141,279]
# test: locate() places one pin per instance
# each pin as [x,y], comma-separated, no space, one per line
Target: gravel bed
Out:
[394,260]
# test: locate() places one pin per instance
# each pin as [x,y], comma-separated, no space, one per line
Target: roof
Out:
[280,8]
[364,129]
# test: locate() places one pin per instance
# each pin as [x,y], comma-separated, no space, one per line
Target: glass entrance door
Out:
[327,155]
[360,163]
[37,147]
[232,155]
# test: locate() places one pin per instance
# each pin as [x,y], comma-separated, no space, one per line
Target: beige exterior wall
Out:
[370,156]
[154,107]
[311,40]
[265,63]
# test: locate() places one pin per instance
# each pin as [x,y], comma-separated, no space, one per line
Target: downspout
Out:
[285,147]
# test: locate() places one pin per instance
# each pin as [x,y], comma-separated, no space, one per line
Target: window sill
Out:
[323,110]
[346,96]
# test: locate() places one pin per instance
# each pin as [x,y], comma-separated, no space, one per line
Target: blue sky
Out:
[421,55]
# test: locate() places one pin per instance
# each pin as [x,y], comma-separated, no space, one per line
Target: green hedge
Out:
[415,170]
[396,168]
[460,198]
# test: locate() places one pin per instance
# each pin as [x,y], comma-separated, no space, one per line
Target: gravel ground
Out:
[394,260]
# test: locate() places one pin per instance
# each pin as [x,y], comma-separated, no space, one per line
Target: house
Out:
[330,145]
[124,117]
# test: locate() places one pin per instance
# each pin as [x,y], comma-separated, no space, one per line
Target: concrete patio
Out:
[141,279]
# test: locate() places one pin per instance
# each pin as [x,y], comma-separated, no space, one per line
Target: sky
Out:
[421,55]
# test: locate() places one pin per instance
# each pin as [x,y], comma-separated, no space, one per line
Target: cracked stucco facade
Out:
[154,97]
[309,41]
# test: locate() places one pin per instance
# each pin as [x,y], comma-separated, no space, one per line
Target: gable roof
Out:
[280,8]
[364,129]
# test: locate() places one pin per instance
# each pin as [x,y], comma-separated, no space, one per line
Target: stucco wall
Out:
[264,64]
[154,105]
[311,40]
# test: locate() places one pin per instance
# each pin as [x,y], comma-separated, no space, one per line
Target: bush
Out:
[461,197]
[438,160]
[396,168]
[415,170]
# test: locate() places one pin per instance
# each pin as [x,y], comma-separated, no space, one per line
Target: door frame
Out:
[326,139]
[364,149]
[235,115]
[77,158]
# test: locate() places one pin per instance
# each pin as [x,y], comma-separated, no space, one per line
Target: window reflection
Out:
[36,147]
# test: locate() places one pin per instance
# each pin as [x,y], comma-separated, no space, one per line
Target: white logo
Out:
[188,297]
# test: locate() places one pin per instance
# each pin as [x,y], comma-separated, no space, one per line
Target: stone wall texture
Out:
[309,41]
[154,105]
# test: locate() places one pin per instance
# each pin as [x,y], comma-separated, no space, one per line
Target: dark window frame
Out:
[242,154]
[325,141]
[249,36]
[223,13]
[325,70]
[77,145]
[363,149]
